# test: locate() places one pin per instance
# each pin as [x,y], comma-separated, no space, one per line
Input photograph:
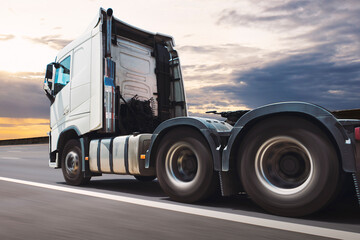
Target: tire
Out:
[144,178]
[71,164]
[185,166]
[288,166]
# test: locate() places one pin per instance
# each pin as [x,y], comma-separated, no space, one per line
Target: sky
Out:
[234,54]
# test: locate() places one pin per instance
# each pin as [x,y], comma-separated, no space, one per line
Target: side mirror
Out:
[48,84]
[49,71]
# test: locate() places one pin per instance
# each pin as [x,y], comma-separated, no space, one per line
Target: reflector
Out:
[357,133]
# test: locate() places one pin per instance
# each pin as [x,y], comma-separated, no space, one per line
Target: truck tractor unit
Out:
[118,106]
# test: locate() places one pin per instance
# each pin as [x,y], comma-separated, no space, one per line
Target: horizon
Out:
[234,54]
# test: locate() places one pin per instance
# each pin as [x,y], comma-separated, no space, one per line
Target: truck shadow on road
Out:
[130,186]
[346,210]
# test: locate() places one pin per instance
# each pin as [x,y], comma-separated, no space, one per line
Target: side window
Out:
[62,75]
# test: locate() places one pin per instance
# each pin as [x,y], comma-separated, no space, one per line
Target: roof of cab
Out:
[119,28]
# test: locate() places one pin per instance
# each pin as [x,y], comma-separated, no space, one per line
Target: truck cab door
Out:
[60,108]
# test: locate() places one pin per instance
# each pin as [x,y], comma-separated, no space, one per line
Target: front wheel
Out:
[185,166]
[71,164]
[288,166]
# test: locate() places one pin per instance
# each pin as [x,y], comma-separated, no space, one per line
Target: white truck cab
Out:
[99,76]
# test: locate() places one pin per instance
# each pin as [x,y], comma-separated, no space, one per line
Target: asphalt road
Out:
[42,206]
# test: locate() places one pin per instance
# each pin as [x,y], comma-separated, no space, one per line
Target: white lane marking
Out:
[14,151]
[286,226]
[10,158]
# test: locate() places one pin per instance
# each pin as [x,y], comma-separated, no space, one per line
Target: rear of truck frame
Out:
[118,106]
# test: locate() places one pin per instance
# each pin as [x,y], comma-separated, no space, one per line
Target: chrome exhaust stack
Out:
[109,14]
[109,79]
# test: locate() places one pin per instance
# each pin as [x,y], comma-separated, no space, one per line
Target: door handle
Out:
[66,111]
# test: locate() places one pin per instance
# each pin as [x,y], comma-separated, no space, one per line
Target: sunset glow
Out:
[12,128]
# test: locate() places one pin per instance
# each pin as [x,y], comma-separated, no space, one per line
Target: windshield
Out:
[62,75]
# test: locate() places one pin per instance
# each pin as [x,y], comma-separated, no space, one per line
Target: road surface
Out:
[35,203]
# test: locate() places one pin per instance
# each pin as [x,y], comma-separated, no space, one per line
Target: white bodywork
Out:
[79,103]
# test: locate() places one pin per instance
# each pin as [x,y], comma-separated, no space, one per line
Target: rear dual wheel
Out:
[289,166]
[185,166]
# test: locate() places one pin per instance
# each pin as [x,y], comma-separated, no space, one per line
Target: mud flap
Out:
[356,177]
[229,183]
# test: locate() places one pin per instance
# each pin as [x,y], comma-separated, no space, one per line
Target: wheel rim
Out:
[72,163]
[284,165]
[182,165]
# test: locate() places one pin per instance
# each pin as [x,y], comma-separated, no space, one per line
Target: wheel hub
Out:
[284,165]
[181,164]
[72,163]
[187,165]
[291,165]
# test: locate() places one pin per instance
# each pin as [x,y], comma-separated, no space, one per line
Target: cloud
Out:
[336,92]
[318,61]
[288,14]
[221,61]
[21,95]
[233,18]
[223,54]
[6,37]
[203,99]
[304,22]
[309,77]
[53,41]
[222,48]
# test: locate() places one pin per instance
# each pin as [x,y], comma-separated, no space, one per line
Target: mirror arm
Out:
[50,97]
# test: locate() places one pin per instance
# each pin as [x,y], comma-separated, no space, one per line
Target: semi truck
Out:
[118,106]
